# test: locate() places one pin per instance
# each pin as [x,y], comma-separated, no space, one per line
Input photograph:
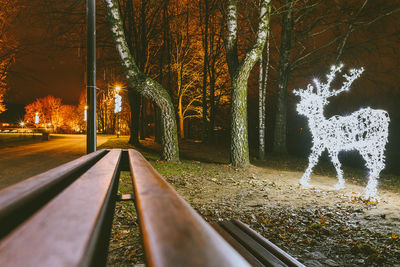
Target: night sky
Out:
[41,68]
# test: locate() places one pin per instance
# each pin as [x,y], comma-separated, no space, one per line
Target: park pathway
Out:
[21,162]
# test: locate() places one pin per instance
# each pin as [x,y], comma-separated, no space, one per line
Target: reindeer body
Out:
[365,130]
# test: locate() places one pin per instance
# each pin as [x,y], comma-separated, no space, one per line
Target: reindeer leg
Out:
[312,161]
[375,164]
[336,163]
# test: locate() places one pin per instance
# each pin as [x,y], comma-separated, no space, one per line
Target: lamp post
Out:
[91,76]
[117,106]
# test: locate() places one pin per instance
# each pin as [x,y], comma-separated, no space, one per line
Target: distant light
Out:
[117,89]
[37,118]
[22,124]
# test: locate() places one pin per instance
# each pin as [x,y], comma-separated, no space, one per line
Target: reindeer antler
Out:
[354,74]
[323,89]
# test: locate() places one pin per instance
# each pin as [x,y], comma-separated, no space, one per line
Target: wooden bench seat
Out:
[63,218]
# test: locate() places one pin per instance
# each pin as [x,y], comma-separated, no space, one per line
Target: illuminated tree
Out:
[8,45]
[71,118]
[49,110]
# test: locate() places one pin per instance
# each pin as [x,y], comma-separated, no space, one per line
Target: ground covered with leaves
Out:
[319,226]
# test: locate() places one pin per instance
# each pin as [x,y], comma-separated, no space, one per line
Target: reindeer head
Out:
[313,100]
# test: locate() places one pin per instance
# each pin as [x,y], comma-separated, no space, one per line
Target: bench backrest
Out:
[70,225]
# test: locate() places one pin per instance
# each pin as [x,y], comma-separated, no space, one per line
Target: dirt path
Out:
[320,226]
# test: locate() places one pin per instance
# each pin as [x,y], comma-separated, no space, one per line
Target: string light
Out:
[37,117]
[365,130]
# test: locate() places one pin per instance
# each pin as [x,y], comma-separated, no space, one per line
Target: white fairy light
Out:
[118,103]
[365,130]
[37,117]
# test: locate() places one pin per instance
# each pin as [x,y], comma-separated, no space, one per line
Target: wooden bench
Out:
[63,217]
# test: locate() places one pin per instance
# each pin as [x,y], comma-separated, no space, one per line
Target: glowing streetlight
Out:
[22,124]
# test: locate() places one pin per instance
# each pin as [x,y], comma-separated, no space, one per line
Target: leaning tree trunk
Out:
[144,85]
[134,102]
[279,145]
[239,73]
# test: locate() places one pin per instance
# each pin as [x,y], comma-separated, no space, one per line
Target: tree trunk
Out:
[262,94]
[180,118]
[142,119]
[157,120]
[239,73]
[261,111]
[239,135]
[144,85]
[205,64]
[134,102]
[279,145]
[212,108]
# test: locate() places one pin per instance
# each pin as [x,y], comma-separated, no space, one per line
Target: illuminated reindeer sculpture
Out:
[366,130]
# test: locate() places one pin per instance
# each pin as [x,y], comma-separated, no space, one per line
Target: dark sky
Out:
[40,68]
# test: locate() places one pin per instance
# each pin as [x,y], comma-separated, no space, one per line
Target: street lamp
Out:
[91,76]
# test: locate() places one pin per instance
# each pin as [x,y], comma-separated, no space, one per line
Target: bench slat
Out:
[236,245]
[64,232]
[173,233]
[266,257]
[282,255]
[19,201]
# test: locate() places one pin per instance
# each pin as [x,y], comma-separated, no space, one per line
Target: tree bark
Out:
[134,102]
[144,85]
[279,145]
[262,94]
[239,73]
[205,67]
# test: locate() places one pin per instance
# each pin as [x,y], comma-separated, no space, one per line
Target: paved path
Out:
[21,162]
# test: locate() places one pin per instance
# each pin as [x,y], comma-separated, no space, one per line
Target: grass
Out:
[195,159]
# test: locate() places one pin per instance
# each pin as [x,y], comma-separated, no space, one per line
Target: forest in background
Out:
[181,45]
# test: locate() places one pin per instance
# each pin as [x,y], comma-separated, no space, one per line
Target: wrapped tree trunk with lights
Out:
[262,94]
[144,85]
[239,73]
